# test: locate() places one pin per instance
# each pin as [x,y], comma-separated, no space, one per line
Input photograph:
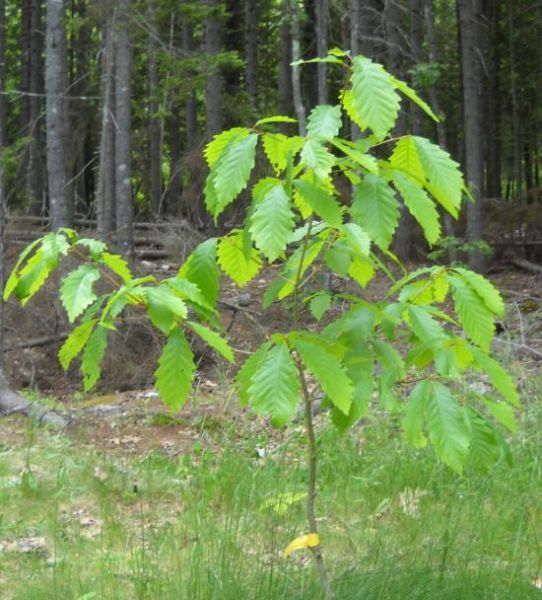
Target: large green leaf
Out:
[175,372]
[216,146]
[231,172]
[329,372]
[92,357]
[414,414]
[475,318]
[444,179]
[486,446]
[320,201]
[317,157]
[165,308]
[419,205]
[275,386]
[412,95]
[77,291]
[324,122]
[278,147]
[13,278]
[234,261]
[357,239]
[245,373]
[216,341]
[446,426]
[201,268]
[485,289]
[499,377]
[376,209]
[75,343]
[272,223]
[118,265]
[423,325]
[374,100]
[405,158]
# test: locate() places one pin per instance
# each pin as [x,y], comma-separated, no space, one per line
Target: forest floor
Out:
[134,502]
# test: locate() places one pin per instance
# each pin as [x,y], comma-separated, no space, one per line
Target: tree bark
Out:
[493,137]
[285,58]
[322,25]
[191,102]
[251,50]
[472,46]
[60,200]
[296,73]
[105,195]
[213,84]
[416,44]
[123,135]
[155,124]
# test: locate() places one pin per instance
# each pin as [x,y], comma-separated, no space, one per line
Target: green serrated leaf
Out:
[275,387]
[275,119]
[118,265]
[485,289]
[414,415]
[358,239]
[412,95]
[76,292]
[13,279]
[485,446]
[233,260]
[320,201]
[376,209]
[339,258]
[320,304]
[503,413]
[175,372]
[361,270]
[329,372]
[444,179]
[231,172]
[423,325]
[317,157]
[446,426]
[419,205]
[499,377]
[272,223]
[95,247]
[278,147]
[324,122]
[165,308]
[92,357]
[214,149]
[245,373]
[475,318]
[75,343]
[375,102]
[405,158]
[201,268]
[361,159]
[214,340]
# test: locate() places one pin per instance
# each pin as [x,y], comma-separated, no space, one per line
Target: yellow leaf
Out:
[303,541]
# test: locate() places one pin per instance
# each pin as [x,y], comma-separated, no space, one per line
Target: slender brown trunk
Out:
[251,50]
[123,135]
[472,55]
[322,20]
[155,124]
[516,124]
[296,72]
[493,129]
[105,194]
[213,83]
[60,202]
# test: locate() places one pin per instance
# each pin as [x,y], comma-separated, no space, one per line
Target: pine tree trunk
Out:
[322,21]
[517,137]
[472,45]
[285,58]
[251,50]
[416,42]
[123,133]
[213,83]
[493,144]
[155,125]
[60,203]
[296,73]
[105,194]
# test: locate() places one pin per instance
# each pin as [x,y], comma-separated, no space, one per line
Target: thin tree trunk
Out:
[213,83]
[191,102]
[60,203]
[322,20]
[105,196]
[155,124]
[516,125]
[471,35]
[123,137]
[251,50]
[285,58]
[296,73]
[416,42]
[493,136]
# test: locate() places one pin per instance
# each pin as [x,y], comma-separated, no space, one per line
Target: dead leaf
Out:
[303,541]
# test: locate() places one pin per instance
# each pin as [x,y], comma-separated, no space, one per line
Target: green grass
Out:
[394,523]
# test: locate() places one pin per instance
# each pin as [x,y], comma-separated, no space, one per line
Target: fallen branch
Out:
[37,342]
[527,265]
